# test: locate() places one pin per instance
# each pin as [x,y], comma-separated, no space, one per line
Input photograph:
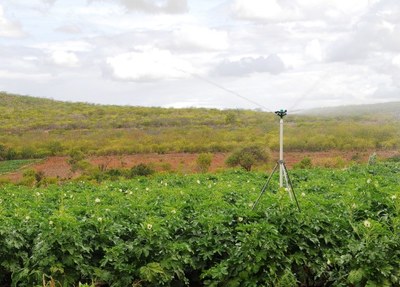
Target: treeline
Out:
[36,128]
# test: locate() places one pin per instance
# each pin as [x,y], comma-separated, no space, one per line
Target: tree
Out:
[246,157]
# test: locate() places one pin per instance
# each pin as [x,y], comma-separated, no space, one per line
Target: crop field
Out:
[13,165]
[200,230]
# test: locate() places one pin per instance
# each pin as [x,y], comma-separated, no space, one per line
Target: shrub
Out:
[114,173]
[247,157]
[141,170]
[11,154]
[55,147]
[203,161]
[76,160]
[333,162]
[28,178]
[305,163]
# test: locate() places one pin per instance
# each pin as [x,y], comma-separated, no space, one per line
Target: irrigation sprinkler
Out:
[283,172]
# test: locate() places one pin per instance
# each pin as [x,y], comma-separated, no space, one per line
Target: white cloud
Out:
[293,10]
[64,53]
[377,31]
[69,46]
[248,65]
[396,60]
[268,10]
[228,41]
[69,29]
[41,77]
[313,50]
[154,6]
[148,64]
[196,37]
[67,59]
[7,27]
[335,8]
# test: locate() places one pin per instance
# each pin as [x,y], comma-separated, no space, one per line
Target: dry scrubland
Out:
[37,128]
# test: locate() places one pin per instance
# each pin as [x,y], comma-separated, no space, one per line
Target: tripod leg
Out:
[265,186]
[286,177]
[291,186]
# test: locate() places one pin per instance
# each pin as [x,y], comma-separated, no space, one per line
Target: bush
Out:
[203,161]
[55,148]
[28,178]
[76,160]
[247,157]
[305,163]
[141,170]
[114,173]
[333,162]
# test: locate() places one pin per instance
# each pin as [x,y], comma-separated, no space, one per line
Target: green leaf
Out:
[355,276]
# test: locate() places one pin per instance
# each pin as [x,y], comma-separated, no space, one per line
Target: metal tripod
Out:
[288,181]
[283,172]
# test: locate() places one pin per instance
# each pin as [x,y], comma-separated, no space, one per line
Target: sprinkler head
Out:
[281,113]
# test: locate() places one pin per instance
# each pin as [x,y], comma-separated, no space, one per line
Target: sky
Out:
[247,54]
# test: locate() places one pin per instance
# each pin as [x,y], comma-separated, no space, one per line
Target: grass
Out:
[14,165]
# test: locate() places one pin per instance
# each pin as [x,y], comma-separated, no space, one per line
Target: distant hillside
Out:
[29,113]
[35,128]
[384,110]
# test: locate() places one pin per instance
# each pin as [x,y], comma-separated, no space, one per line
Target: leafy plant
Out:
[195,230]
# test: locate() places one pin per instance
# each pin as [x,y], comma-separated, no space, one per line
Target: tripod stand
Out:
[282,167]
[283,172]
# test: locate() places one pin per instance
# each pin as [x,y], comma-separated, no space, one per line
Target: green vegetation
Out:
[14,165]
[204,161]
[141,170]
[132,227]
[247,157]
[171,230]
[305,163]
[35,128]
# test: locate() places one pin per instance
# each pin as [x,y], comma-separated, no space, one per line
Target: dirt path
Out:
[184,162]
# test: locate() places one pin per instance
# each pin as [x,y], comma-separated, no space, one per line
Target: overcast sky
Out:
[292,54]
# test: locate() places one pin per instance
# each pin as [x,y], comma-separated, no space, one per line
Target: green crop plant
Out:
[194,230]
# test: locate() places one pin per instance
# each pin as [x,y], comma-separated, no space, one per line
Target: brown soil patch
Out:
[183,162]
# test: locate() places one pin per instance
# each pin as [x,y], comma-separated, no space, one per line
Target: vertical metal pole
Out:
[281,154]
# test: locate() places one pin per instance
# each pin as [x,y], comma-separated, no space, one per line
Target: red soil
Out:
[183,162]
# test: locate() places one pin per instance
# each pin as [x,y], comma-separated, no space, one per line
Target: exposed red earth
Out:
[185,162]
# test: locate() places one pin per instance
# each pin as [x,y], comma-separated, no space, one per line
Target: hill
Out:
[375,111]
[35,128]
